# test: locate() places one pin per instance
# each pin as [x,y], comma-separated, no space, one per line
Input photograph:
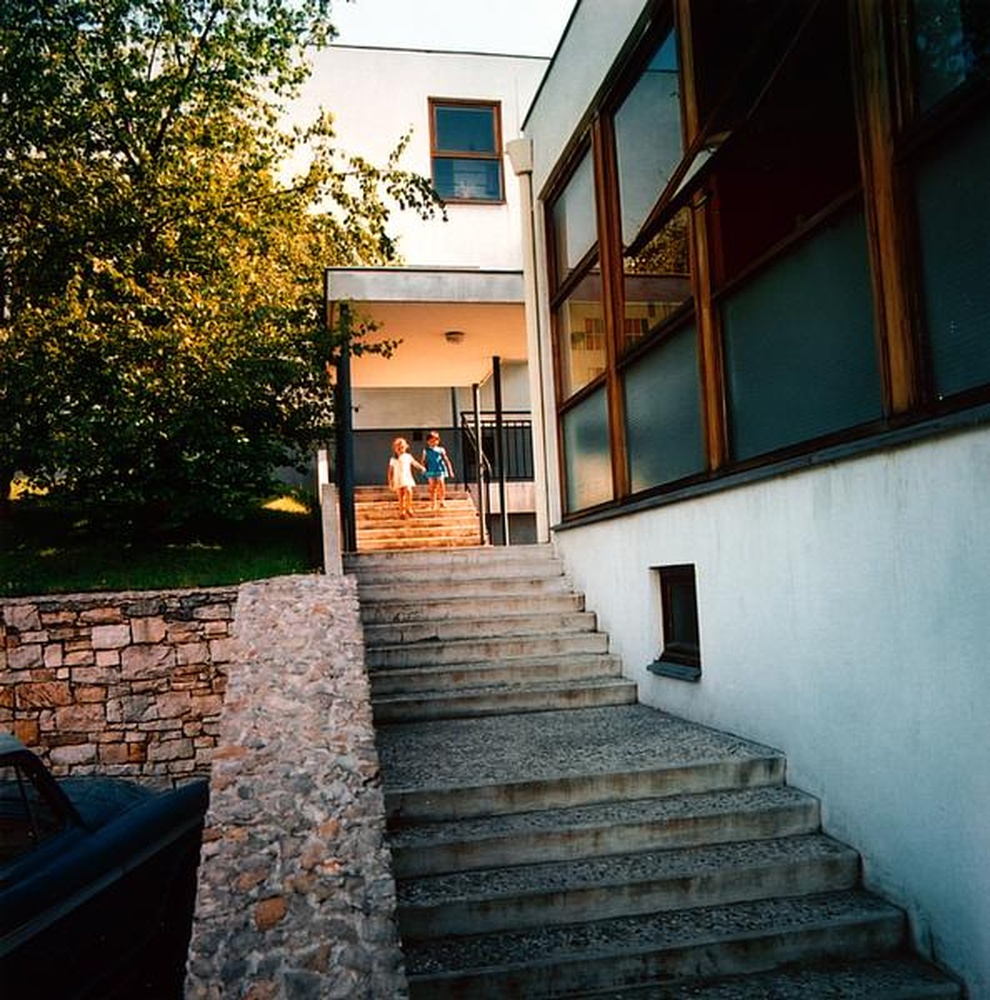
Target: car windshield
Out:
[27,818]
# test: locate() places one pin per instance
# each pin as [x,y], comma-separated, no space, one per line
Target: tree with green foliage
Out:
[161,330]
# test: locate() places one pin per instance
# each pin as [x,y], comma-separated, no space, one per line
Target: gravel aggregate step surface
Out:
[507,670]
[660,811]
[895,978]
[650,932]
[508,688]
[545,745]
[676,865]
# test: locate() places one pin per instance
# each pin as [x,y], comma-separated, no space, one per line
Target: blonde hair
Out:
[398,441]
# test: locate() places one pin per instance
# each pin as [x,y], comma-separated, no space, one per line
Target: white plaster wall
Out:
[376,95]
[845,619]
[412,407]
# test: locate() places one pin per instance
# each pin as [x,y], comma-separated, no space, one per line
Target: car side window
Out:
[27,818]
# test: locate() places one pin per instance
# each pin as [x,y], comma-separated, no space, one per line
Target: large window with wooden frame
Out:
[761,271]
[945,142]
[579,325]
[466,150]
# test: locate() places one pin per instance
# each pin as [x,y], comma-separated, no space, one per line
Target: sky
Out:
[510,27]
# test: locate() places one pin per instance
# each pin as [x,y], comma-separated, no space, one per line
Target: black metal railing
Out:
[516,446]
[373,448]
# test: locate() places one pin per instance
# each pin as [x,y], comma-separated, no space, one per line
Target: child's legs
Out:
[435,484]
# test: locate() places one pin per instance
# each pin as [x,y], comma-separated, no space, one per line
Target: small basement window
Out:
[680,654]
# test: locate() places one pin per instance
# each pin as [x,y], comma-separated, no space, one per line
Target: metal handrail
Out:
[469,433]
[481,462]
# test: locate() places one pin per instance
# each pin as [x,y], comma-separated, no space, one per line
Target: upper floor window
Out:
[466,150]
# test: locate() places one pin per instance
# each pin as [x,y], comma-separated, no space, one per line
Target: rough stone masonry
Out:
[296,898]
[129,684]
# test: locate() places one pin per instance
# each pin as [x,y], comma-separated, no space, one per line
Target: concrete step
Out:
[487,606]
[417,538]
[898,977]
[498,699]
[452,510]
[417,528]
[462,768]
[466,650]
[562,892]
[384,492]
[453,676]
[422,523]
[379,529]
[396,593]
[438,629]
[671,949]
[424,542]
[493,558]
[604,828]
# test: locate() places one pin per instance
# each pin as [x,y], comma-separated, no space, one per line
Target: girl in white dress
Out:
[400,475]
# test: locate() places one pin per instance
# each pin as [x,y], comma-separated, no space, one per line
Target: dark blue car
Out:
[97,882]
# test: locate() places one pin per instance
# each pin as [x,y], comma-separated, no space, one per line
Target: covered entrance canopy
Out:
[460,367]
[451,323]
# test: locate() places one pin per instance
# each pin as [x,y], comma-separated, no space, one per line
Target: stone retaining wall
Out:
[127,684]
[296,897]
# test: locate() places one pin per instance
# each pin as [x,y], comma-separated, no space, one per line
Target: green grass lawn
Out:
[46,548]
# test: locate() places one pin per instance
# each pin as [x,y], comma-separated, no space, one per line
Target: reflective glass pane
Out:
[657,280]
[799,352]
[663,413]
[799,150]
[954,219]
[581,335]
[648,137]
[951,46]
[464,129]
[587,465]
[573,218]
[468,180]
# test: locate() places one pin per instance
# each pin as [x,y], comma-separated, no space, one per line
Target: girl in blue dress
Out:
[438,468]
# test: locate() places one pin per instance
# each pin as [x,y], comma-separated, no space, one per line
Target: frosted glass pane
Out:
[954,218]
[800,357]
[587,463]
[663,413]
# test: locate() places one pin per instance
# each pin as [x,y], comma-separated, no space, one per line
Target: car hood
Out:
[98,800]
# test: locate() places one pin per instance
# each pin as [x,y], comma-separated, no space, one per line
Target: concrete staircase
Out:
[379,528]
[552,838]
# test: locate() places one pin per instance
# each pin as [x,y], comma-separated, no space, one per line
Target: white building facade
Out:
[761,321]
[455,303]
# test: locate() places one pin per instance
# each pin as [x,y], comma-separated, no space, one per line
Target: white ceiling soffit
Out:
[450,323]
[412,284]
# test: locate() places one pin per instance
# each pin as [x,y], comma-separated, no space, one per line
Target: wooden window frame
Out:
[895,130]
[889,131]
[436,153]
